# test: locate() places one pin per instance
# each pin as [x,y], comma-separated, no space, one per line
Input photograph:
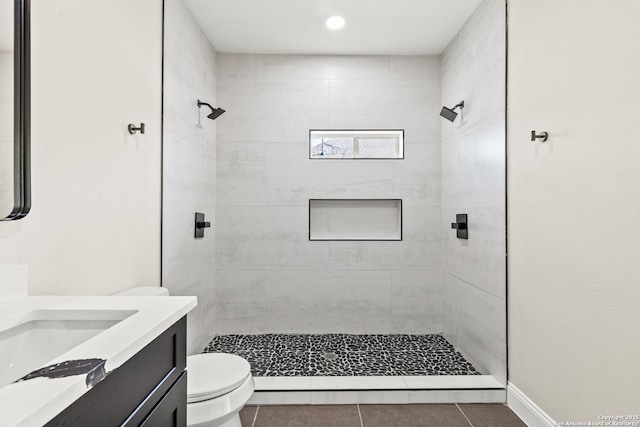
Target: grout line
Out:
[255,417]
[473,285]
[359,414]
[464,415]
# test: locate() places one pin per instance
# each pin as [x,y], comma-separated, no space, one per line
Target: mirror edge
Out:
[22,111]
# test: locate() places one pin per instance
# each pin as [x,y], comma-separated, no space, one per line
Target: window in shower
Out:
[356,144]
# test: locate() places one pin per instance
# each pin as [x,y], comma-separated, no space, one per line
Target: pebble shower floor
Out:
[283,355]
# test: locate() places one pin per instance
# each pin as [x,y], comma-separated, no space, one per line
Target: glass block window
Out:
[356,144]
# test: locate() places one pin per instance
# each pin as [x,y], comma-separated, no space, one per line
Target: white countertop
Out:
[36,401]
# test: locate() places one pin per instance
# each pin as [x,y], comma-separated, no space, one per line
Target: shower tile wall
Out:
[269,277]
[189,168]
[473,182]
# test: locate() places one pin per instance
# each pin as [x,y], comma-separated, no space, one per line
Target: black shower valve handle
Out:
[199,225]
[204,224]
[461,226]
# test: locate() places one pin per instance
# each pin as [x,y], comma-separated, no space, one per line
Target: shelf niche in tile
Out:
[355,219]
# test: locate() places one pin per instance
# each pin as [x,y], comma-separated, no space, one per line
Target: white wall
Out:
[574,206]
[473,183]
[95,223]
[269,276]
[189,168]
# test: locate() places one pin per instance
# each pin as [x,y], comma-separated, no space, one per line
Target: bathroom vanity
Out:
[149,389]
[98,361]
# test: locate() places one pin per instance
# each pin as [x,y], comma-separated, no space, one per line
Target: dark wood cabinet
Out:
[171,411]
[149,389]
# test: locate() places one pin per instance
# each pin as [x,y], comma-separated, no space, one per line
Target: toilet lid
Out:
[213,374]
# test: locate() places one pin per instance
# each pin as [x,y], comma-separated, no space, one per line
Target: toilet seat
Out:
[210,375]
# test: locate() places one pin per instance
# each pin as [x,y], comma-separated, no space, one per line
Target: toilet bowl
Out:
[218,387]
[218,384]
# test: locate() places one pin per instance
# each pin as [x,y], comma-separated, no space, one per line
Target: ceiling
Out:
[374,27]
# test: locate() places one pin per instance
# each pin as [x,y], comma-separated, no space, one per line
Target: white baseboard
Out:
[528,411]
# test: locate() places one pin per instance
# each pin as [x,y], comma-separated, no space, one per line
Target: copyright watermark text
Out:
[606,421]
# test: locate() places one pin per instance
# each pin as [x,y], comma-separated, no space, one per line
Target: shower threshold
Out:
[346,368]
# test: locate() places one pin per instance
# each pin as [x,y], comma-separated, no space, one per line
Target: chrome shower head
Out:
[215,112]
[449,113]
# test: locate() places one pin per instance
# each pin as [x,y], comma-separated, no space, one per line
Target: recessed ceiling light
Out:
[335,22]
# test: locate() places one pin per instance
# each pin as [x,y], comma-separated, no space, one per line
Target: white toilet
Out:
[218,387]
[218,384]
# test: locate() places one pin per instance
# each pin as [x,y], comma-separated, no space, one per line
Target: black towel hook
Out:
[543,136]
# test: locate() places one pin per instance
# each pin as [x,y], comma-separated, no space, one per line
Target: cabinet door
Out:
[171,411]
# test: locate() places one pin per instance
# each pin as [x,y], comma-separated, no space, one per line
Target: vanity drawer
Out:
[129,393]
[171,411]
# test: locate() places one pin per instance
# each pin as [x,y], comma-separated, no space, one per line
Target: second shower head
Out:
[449,113]
[215,112]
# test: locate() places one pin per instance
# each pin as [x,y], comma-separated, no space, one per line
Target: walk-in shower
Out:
[332,266]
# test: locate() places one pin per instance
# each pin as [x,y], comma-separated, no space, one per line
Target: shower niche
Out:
[355,219]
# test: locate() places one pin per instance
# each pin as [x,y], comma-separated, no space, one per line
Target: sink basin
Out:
[84,337]
[30,340]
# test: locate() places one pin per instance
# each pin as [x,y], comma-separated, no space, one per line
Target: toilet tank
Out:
[144,291]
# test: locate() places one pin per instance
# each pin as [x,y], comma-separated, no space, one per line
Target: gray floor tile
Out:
[427,415]
[247,415]
[491,415]
[308,416]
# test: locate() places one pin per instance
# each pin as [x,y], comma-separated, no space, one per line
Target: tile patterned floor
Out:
[344,354]
[423,415]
